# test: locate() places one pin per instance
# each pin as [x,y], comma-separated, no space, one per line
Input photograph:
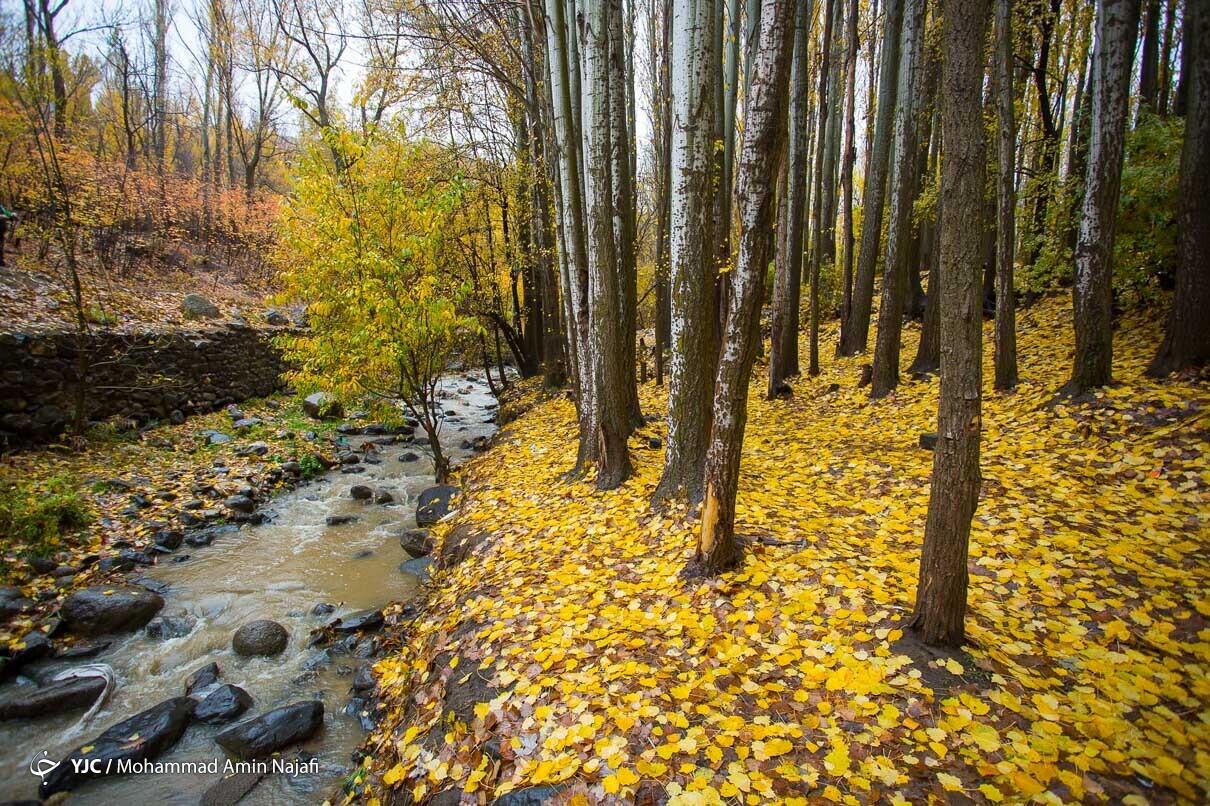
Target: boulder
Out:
[240,503]
[363,678]
[223,704]
[340,520]
[261,637]
[13,602]
[276,318]
[26,702]
[166,627]
[409,456]
[360,492]
[323,609]
[434,504]
[169,539]
[195,306]
[361,621]
[420,567]
[322,406]
[109,609]
[273,730]
[158,729]
[416,542]
[203,678]
[382,497]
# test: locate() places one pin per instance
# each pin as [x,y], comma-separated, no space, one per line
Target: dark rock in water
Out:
[231,788]
[363,679]
[222,705]
[361,621]
[420,567]
[206,676]
[409,456]
[109,609]
[165,627]
[118,564]
[240,503]
[322,406]
[360,492]
[928,441]
[204,537]
[158,729]
[81,650]
[352,469]
[261,637]
[416,542]
[170,539]
[153,585]
[320,660]
[341,520]
[361,555]
[434,504]
[359,709]
[323,609]
[383,497]
[25,702]
[273,730]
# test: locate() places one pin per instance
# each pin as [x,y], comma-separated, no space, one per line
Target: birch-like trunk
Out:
[1116,33]
[940,610]
[694,350]
[759,154]
[819,213]
[848,155]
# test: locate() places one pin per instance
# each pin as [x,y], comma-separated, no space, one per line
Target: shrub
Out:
[34,516]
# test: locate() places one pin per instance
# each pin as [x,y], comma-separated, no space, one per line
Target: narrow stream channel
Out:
[280,570]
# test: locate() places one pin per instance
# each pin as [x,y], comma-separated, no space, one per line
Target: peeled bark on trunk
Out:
[941,590]
[1117,31]
[606,303]
[854,332]
[1006,202]
[903,194]
[787,278]
[760,151]
[1187,335]
[694,345]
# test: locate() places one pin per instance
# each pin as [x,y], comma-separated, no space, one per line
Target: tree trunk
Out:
[941,590]
[606,305]
[1006,202]
[1166,58]
[1187,335]
[854,332]
[848,156]
[819,209]
[903,194]
[787,279]
[759,153]
[1149,67]
[694,341]
[1117,31]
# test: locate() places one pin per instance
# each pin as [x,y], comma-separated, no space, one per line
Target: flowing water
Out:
[280,571]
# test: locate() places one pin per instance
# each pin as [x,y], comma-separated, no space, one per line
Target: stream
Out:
[279,570]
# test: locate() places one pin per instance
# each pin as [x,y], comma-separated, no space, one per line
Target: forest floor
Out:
[144,292]
[568,653]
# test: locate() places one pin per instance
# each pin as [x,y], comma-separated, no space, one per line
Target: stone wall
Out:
[144,376]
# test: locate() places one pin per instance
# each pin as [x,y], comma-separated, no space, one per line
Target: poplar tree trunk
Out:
[1149,67]
[759,153]
[854,331]
[1116,33]
[661,160]
[1187,335]
[694,345]
[817,202]
[848,156]
[903,194]
[1006,202]
[606,303]
[787,280]
[941,590]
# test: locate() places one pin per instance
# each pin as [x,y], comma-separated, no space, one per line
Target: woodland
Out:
[851,359]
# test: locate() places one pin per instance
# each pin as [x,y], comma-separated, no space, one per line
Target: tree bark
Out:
[1116,33]
[1187,334]
[787,279]
[1149,67]
[854,331]
[759,154]
[694,340]
[942,587]
[903,194]
[1006,202]
[848,157]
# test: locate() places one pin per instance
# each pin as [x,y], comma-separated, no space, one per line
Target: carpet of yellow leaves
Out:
[1086,672]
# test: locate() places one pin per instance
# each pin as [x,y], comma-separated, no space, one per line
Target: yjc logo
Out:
[42,765]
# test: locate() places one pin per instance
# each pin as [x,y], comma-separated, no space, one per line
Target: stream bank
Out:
[321,554]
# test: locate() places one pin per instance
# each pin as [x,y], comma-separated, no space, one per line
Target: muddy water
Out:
[280,571]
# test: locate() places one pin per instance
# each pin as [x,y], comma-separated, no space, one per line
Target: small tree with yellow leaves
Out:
[363,245]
